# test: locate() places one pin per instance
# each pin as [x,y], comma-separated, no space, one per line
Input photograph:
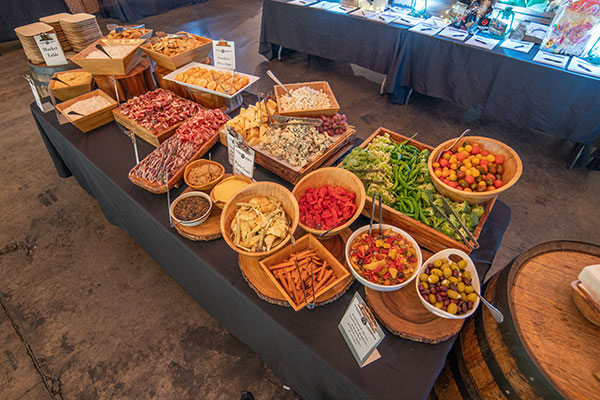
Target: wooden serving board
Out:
[426,236]
[403,314]
[143,133]
[137,82]
[265,289]
[178,176]
[209,230]
[293,175]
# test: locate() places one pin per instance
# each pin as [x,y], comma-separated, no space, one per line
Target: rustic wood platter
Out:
[265,289]
[293,175]
[426,236]
[209,230]
[143,133]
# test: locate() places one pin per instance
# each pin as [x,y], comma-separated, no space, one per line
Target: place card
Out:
[362,13]
[243,160]
[303,2]
[436,22]
[454,34]
[51,49]
[361,331]
[556,60]
[324,5]
[517,45]
[382,18]
[408,20]
[425,29]
[484,43]
[233,137]
[341,9]
[224,54]
[583,67]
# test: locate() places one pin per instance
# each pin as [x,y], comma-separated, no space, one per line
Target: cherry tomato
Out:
[464,184]
[475,149]
[498,184]
[461,174]
[489,181]
[443,162]
[500,169]
[470,179]
[473,186]
[485,153]
[499,160]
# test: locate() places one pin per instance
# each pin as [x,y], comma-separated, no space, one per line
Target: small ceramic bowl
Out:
[193,222]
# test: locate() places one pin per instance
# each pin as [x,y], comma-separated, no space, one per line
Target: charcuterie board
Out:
[264,287]
[154,138]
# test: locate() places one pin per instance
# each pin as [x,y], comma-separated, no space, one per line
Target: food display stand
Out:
[305,349]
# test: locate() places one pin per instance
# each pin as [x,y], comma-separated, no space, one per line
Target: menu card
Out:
[517,45]
[484,43]
[583,67]
[556,60]
[454,34]
[361,331]
[436,22]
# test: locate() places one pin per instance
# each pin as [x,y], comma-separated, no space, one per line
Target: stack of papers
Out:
[455,34]
[382,18]
[324,5]
[583,67]
[436,22]
[303,2]
[341,9]
[482,42]
[556,60]
[408,20]
[362,13]
[425,29]
[517,45]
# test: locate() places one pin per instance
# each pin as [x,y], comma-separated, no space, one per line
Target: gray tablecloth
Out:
[305,349]
[505,84]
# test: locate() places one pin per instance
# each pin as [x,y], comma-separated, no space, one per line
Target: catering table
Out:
[305,349]
[502,83]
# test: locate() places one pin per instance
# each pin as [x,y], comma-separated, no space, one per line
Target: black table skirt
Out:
[134,10]
[504,84]
[305,349]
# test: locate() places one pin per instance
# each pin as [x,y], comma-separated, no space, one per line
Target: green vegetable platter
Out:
[395,166]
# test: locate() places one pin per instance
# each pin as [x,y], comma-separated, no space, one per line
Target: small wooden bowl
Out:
[207,186]
[288,202]
[332,176]
[91,121]
[69,92]
[513,167]
[320,85]
[588,307]
[219,203]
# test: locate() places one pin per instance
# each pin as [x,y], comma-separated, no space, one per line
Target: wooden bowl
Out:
[333,177]
[219,203]
[512,169]
[320,85]
[588,307]
[288,202]
[207,186]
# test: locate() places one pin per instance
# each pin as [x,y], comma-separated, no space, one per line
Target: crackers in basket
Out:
[210,79]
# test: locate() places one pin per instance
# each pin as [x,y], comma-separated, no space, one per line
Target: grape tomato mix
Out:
[326,206]
[384,261]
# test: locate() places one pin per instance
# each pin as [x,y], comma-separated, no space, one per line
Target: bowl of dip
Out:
[224,191]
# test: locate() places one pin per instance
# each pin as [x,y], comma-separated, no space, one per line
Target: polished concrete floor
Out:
[99,316]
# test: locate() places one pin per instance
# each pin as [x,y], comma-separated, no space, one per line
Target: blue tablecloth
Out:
[504,84]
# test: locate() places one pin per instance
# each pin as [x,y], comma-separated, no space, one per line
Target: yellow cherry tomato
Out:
[479,156]
[475,161]
[490,158]
[436,165]
[452,177]
[463,168]
[468,164]
[474,172]
[445,173]
[438,172]
[453,167]
[446,156]
[468,148]
[468,172]
[461,149]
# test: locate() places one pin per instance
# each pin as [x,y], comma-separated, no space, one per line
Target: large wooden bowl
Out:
[513,167]
[333,177]
[288,202]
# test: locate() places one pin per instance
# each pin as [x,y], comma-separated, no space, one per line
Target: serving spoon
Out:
[277,81]
[99,47]
[497,314]
[452,145]
[54,78]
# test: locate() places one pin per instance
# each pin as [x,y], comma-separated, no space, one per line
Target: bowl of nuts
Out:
[446,284]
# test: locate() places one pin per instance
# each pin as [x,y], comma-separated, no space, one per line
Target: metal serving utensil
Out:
[447,219]
[99,47]
[333,227]
[75,113]
[54,78]
[281,120]
[453,143]
[450,211]
[309,304]
[375,195]
[497,314]
[277,81]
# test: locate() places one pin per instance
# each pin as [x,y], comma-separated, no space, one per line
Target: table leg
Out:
[279,53]
[408,96]
[382,88]
[580,148]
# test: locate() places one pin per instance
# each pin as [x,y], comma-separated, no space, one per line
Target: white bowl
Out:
[374,286]
[193,222]
[444,254]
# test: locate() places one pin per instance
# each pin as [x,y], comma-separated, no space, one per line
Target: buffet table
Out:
[305,349]
[502,83]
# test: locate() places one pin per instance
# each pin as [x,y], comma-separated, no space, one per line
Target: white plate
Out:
[374,286]
[444,254]
[172,75]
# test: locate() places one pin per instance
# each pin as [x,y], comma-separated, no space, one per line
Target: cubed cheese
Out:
[590,280]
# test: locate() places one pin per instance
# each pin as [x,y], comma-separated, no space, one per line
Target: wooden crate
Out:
[154,138]
[69,92]
[173,62]
[293,175]
[320,85]
[426,236]
[110,66]
[93,120]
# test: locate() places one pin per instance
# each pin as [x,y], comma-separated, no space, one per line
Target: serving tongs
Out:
[282,120]
[471,241]
[375,195]
[309,304]
[119,29]
[163,177]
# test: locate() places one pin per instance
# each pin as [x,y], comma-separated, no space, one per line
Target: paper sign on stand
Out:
[224,54]
[361,331]
[45,107]
[232,140]
[50,48]
[243,160]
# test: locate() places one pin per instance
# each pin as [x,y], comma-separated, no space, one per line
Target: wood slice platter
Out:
[265,289]
[209,230]
[402,313]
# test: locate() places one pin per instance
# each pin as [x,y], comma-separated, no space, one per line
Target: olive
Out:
[469,289]
[452,308]
[461,287]
[432,298]
[453,294]
[425,285]
[447,272]
[462,264]
[433,278]
[437,263]
[445,282]
[439,305]
[437,272]
[472,297]
[453,279]
[423,277]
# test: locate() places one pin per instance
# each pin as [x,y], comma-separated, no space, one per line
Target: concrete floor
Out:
[99,315]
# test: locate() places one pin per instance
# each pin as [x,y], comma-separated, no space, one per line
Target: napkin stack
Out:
[54,21]
[26,35]
[81,30]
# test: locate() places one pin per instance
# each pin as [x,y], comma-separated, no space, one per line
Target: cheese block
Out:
[590,280]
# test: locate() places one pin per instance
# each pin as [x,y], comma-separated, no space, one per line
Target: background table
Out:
[502,83]
[305,349]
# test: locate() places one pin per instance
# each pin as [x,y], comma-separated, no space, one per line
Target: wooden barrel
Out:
[544,349]
[137,82]
[41,74]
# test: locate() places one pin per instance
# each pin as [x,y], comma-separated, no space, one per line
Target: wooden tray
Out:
[426,236]
[209,230]
[320,85]
[173,62]
[403,314]
[110,66]
[175,179]
[293,175]
[260,282]
[137,82]
[69,92]
[144,133]
[93,120]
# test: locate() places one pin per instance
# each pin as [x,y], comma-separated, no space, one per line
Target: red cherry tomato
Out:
[475,149]
[483,161]
[460,156]
[498,183]
[485,153]
[470,179]
[443,162]
[499,160]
